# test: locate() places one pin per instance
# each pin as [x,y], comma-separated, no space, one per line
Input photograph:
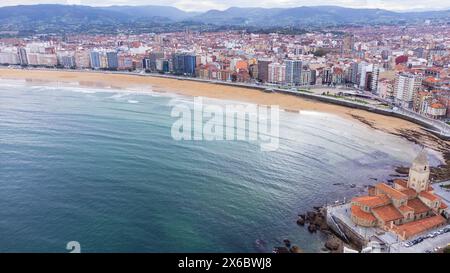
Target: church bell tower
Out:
[419,173]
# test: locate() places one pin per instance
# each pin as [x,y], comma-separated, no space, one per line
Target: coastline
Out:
[216,91]
[392,125]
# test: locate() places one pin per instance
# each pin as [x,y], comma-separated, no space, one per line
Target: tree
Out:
[320,52]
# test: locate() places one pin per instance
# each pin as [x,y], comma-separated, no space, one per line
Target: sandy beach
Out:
[396,126]
[192,88]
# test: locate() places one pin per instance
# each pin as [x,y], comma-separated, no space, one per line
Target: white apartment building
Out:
[406,85]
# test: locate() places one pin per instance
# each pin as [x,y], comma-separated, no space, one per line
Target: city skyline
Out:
[205,5]
[294,129]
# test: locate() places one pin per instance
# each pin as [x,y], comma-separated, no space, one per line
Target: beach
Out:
[107,158]
[146,83]
[191,88]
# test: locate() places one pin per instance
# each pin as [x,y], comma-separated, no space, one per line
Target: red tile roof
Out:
[429,196]
[437,105]
[401,182]
[417,227]
[387,213]
[418,206]
[409,192]
[405,209]
[372,201]
[359,213]
[391,192]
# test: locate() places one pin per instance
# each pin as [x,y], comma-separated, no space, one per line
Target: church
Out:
[408,208]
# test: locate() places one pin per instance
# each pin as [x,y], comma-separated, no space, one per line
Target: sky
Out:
[203,5]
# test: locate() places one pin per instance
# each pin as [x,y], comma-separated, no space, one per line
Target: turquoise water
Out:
[100,167]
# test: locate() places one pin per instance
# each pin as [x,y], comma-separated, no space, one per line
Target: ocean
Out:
[99,166]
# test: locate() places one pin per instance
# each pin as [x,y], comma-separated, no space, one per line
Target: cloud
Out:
[203,5]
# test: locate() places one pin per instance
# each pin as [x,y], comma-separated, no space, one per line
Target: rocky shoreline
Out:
[315,220]
[424,139]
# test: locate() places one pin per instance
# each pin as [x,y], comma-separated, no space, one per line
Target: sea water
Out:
[100,167]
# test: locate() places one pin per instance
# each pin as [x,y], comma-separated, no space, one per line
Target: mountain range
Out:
[46,18]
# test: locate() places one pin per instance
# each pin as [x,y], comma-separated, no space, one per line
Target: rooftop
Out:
[388,213]
[418,206]
[391,192]
[401,182]
[420,226]
[409,192]
[429,196]
[359,213]
[405,208]
[372,201]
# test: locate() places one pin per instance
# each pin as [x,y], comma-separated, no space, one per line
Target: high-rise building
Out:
[306,77]
[150,62]
[95,59]
[277,73]
[263,70]
[82,59]
[66,60]
[363,69]
[348,44]
[184,64]
[386,89]
[190,63]
[103,60]
[375,79]
[113,60]
[23,58]
[293,72]
[47,60]
[406,85]
[9,57]
[125,62]
[327,76]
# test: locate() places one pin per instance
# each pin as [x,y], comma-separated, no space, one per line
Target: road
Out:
[427,244]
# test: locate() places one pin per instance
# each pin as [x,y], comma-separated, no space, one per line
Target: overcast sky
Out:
[202,5]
